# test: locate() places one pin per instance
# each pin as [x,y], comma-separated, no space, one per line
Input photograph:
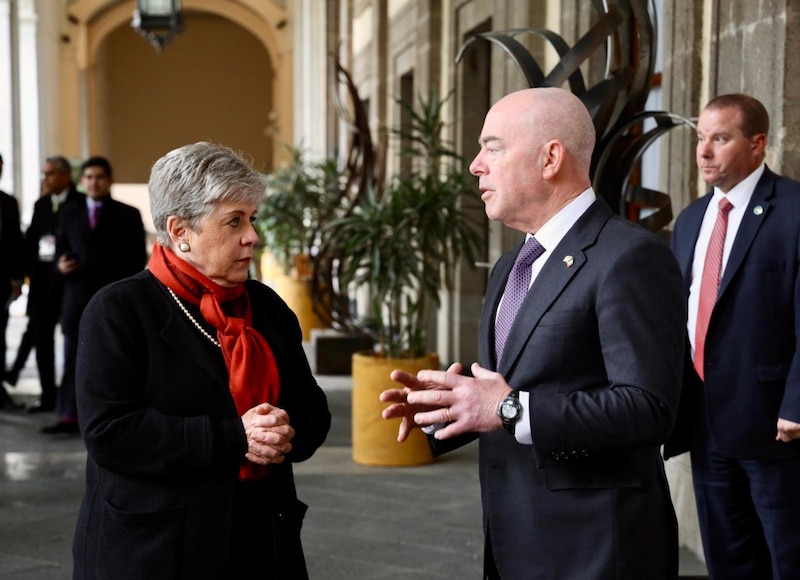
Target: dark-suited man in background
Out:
[46,284]
[11,271]
[739,249]
[573,406]
[98,242]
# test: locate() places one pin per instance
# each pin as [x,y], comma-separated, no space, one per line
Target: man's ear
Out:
[759,144]
[552,158]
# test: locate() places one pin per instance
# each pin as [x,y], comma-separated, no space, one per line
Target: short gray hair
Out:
[190,181]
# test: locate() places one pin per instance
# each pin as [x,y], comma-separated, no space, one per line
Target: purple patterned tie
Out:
[93,213]
[519,280]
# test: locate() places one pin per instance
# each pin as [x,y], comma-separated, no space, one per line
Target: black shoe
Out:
[6,402]
[11,377]
[39,407]
[69,427]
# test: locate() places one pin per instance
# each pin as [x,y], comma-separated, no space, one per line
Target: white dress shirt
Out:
[549,236]
[739,196]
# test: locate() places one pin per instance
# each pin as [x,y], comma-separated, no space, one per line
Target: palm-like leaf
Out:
[406,243]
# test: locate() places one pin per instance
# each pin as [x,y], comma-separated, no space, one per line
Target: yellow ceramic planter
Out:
[375,438]
[297,295]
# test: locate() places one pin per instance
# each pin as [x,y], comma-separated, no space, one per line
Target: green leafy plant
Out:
[302,198]
[406,242]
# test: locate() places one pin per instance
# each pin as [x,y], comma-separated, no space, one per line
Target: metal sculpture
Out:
[360,174]
[616,103]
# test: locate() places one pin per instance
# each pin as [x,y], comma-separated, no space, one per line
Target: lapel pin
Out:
[568,261]
[758,210]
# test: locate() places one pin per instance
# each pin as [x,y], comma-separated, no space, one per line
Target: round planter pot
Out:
[375,438]
[297,295]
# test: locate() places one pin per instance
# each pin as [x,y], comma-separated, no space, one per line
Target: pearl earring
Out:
[183,247]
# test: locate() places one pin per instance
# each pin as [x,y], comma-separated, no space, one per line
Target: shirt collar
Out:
[90,203]
[552,232]
[740,194]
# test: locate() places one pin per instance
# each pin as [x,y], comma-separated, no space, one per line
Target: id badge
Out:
[47,248]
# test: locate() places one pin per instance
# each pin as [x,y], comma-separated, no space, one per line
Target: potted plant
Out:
[302,198]
[404,244]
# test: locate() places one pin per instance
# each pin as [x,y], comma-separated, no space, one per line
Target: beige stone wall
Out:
[716,47]
[214,83]
[748,55]
[681,90]
[230,81]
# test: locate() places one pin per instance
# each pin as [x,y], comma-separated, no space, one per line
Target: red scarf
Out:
[251,365]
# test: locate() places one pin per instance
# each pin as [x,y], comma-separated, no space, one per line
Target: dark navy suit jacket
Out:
[114,250]
[752,368]
[46,282]
[11,264]
[598,343]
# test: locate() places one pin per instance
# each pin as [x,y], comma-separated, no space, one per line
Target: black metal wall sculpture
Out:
[616,103]
[361,172]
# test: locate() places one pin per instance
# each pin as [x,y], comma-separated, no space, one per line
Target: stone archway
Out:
[102,25]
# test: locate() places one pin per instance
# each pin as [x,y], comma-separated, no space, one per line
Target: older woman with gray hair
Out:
[195,395]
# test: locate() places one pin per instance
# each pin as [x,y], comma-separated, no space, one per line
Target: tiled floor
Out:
[364,523]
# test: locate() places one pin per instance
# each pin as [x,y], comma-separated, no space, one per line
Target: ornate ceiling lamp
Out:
[159,21]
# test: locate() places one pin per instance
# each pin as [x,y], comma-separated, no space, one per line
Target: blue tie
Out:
[519,280]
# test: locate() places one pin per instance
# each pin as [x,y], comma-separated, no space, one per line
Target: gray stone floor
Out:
[364,523]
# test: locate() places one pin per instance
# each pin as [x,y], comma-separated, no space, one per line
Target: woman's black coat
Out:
[165,441]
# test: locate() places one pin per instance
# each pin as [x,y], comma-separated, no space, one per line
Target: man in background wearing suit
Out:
[11,266]
[581,347]
[98,242]
[739,249]
[46,284]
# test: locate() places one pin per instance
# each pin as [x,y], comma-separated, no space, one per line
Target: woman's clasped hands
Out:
[269,434]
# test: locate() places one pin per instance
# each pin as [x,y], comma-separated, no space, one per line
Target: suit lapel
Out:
[552,279]
[751,223]
[494,292]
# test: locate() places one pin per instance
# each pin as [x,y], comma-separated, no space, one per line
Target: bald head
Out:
[536,151]
[552,113]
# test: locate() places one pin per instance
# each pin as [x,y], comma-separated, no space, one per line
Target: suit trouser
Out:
[748,512]
[44,320]
[66,403]
[40,335]
[3,327]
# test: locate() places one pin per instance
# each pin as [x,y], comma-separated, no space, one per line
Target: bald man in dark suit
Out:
[581,345]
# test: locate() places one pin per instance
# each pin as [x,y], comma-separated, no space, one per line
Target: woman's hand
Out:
[269,434]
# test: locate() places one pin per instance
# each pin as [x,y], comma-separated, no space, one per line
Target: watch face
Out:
[509,410]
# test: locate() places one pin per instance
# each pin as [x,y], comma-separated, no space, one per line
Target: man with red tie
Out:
[739,250]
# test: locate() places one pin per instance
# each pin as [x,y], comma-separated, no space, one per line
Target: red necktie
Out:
[709,285]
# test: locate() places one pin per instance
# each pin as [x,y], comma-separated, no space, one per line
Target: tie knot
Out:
[724,205]
[529,252]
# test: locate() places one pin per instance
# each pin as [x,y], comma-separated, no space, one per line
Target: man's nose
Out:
[476,167]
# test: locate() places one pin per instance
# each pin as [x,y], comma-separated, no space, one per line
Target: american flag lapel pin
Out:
[568,261]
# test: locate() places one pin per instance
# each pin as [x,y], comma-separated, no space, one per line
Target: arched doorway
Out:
[214,83]
[227,78]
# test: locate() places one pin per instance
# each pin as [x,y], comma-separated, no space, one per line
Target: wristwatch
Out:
[510,411]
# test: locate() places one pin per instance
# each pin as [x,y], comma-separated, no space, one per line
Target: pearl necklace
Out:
[214,341]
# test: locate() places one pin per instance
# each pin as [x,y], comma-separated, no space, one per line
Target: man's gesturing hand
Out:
[465,403]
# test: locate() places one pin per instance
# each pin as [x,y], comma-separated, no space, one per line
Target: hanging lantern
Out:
[159,21]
